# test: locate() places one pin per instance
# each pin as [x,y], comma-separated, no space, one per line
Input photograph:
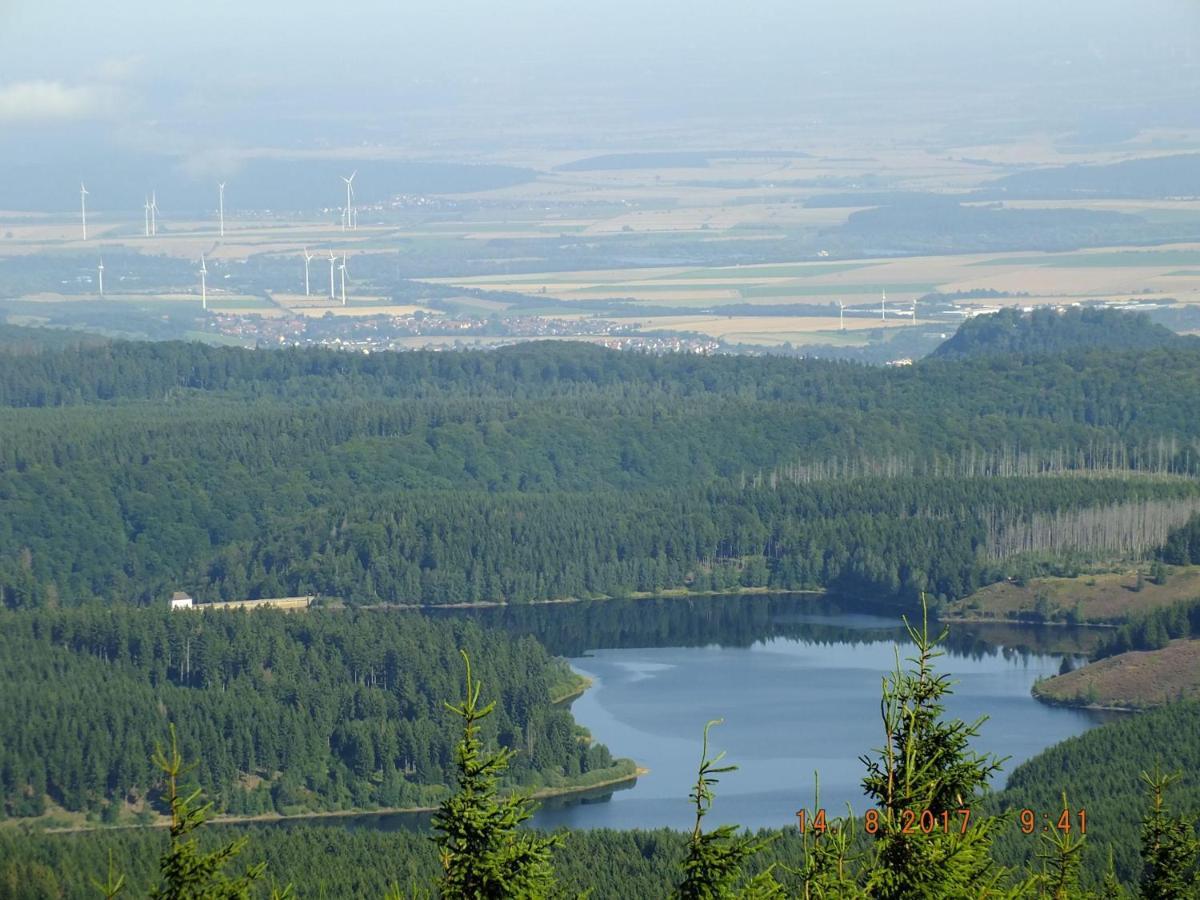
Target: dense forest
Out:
[1048,331]
[998,850]
[341,862]
[131,470]
[287,712]
[1099,771]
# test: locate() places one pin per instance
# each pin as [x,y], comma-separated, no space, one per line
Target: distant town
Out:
[376,333]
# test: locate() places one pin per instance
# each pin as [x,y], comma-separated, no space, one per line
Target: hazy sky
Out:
[306,75]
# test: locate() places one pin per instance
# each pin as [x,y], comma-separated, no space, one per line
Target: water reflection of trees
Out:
[978,639]
[572,629]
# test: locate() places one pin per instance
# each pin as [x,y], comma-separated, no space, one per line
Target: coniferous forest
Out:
[293,713]
[541,472]
[128,471]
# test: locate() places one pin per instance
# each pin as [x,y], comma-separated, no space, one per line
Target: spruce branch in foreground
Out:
[187,873]
[1169,845]
[830,870]
[714,862]
[926,767]
[483,854]
[113,884]
[1061,854]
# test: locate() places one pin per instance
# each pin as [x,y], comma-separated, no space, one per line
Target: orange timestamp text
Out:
[911,821]
[1066,821]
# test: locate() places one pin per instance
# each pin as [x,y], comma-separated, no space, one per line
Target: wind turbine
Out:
[348,221]
[332,260]
[841,315]
[146,209]
[100,272]
[342,268]
[153,212]
[221,206]
[83,208]
[914,310]
[203,283]
[883,305]
[308,257]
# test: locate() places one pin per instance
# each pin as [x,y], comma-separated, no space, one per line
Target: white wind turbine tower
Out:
[332,260]
[883,305]
[342,268]
[100,272]
[221,206]
[203,283]
[153,212]
[841,316]
[348,221]
[83,208]
[146,209]
[308,257]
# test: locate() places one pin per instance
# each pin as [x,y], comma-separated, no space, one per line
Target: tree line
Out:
[287,712]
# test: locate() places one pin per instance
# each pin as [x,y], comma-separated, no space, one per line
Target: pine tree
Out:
[112,886]
[1169,845]
[926,768]
[483,855]
[713,866]
[1062,861]
[1158,572]
[186,873]
[1110,888]
[831,867]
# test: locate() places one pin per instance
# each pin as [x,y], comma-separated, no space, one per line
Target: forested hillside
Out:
[131,470]
[286,712]
[337,862]
[1100,772]
[1019,852]
[1011,331]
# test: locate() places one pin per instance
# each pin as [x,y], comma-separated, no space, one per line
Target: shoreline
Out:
[1095,707]
[666,594]
[544,793]
[582,687]
[980,620]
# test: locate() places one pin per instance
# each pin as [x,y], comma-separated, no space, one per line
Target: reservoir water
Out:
[796,680]
[797,683]
[790,709]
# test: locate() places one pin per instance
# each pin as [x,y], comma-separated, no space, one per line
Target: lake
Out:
[790,708]
[796,680]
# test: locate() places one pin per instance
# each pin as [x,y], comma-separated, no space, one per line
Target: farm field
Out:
[770,329]
[173,299]
[604,234]
[1115,274]
[351,309]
